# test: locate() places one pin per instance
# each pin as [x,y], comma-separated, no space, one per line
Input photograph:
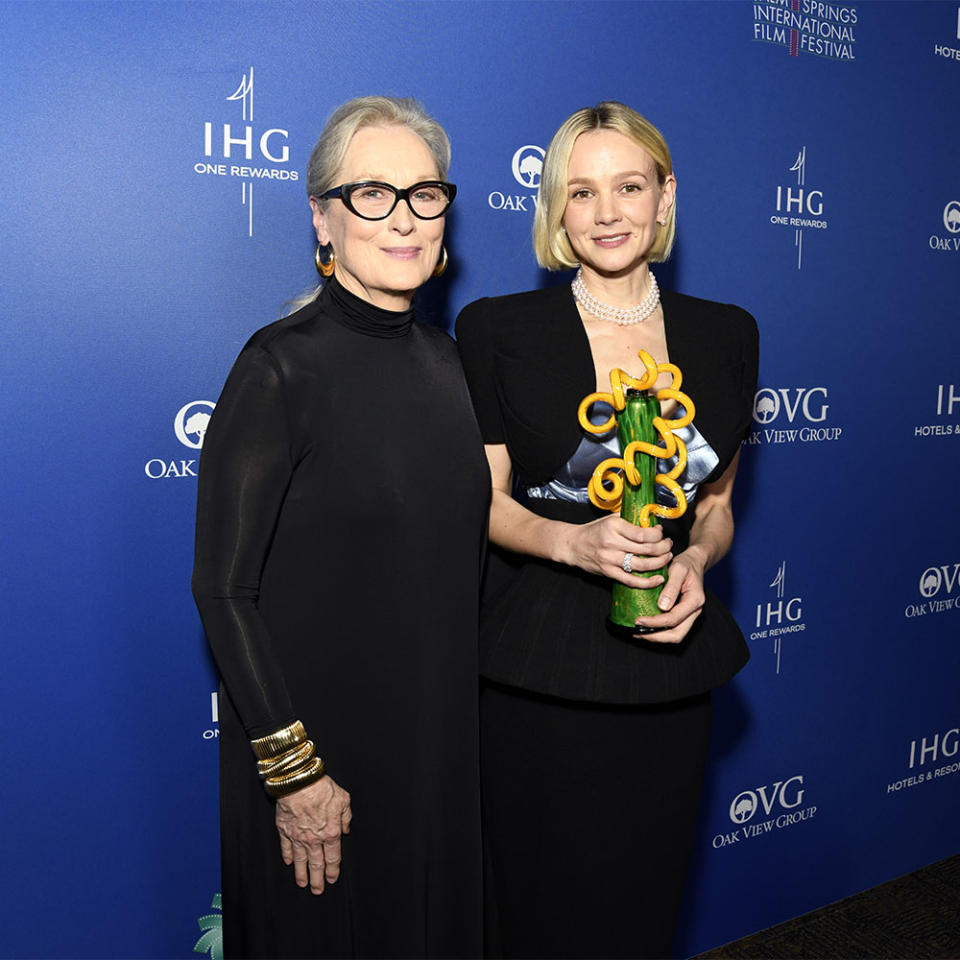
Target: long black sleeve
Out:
[245,471]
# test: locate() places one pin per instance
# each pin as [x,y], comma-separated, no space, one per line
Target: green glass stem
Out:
[635,422]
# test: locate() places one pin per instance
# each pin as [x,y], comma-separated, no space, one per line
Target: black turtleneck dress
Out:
[343,499]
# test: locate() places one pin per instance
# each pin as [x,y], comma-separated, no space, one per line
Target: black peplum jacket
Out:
[544,625]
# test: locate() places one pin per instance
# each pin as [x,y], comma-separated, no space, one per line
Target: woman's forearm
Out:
[711,536]
[516,528]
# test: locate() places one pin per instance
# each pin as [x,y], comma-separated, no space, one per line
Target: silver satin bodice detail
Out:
[570,481]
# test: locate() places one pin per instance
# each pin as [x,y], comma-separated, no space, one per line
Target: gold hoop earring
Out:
[439,269]
[324,269]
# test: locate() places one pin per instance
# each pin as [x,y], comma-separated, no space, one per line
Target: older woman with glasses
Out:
[340,528]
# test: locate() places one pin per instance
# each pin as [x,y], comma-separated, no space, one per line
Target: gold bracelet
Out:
[266,748]
[281,786]
[296,757]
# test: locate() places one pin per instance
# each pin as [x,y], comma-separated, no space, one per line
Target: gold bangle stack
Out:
[287,760]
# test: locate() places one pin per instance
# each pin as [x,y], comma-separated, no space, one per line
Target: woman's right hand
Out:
[310,822]
[601,545]
[597,547]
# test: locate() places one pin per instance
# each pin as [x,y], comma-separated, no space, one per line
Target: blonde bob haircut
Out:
[550,242]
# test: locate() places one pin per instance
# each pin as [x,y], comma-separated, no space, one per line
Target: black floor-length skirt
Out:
[589,812]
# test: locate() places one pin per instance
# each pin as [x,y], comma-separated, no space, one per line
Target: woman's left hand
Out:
[681,599]
[310,822]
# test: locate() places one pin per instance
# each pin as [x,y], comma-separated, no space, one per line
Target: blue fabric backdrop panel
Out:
[154,215]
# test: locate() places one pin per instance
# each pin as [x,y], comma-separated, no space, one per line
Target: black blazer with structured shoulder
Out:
[544,625]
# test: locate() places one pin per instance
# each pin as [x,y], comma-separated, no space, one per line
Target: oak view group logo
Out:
[243,151]
[938,592]
[780,802]
[189,427]
[949,240]
[526,165]
[791,415]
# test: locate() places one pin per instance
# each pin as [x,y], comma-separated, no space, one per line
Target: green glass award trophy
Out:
[629,482]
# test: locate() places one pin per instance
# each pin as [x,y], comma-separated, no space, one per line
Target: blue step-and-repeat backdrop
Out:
[153,216]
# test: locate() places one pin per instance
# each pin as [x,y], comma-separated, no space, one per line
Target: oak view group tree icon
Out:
[743,810]
[764,410]
[531,166]
[197,424]
[951,217]
[930,585]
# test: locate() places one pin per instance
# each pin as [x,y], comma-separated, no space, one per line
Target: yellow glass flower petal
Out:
[586,403]
[684,401]
[651,372]
[607,498]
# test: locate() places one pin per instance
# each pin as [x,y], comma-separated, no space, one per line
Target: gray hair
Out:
[351,116]
[327,156]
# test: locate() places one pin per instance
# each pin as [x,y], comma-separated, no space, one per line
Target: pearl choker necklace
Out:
[625,317]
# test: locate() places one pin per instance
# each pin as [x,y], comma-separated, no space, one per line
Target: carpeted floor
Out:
[916,916]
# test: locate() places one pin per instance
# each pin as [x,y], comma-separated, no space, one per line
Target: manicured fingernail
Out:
[664,603]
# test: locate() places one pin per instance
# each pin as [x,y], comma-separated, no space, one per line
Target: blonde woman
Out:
[592,743]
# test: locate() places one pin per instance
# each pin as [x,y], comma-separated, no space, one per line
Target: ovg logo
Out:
[779,801]
[527,165]
[934,579]
[785,793]
[805,404]
[810,402]
[190,423]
